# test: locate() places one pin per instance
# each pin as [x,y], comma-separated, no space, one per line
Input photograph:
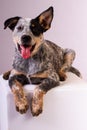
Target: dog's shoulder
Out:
[55,54]
[54,47]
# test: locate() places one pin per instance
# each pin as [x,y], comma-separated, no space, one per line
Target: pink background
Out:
[69,27]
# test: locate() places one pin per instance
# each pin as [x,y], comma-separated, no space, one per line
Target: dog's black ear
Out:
[11,22]
[45,18]
[42,23]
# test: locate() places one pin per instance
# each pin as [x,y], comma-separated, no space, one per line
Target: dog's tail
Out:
[75,71]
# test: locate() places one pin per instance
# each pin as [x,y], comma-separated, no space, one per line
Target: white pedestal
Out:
[65,108]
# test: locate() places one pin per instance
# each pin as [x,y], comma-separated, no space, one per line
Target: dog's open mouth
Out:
[25,51]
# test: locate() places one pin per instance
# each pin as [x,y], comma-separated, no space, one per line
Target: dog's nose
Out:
[26,39]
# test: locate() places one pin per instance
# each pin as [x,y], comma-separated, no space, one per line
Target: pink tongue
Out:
[25,52]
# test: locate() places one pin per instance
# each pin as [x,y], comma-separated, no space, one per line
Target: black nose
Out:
[26,39]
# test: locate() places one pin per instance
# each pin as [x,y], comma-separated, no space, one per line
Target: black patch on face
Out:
[36,28]
[20,78]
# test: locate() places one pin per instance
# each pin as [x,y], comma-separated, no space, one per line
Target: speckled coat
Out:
[44,64]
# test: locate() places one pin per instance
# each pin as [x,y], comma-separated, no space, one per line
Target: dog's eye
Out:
[20,28]
[32,25]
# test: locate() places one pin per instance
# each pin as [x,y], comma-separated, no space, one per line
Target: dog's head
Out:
[28,33]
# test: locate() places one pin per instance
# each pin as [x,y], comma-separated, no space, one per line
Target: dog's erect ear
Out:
[45,18]
[11,22]
[42,23]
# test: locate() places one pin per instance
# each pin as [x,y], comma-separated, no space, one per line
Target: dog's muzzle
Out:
[26,40]
[26,47]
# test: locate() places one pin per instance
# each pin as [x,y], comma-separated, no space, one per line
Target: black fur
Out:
[48,84]
[35,80]
[11,22]
[20,78]
[37,29]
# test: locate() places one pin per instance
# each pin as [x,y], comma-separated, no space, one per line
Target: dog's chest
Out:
[29,66]
[33,66]
[49,57]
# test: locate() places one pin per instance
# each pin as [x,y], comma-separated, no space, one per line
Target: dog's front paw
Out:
[22,105]
[37,102]
[36,106]
[62,76]
[6,75]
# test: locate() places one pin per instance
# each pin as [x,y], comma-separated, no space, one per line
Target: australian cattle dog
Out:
[36,60]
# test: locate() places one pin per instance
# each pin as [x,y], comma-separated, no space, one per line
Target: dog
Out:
[36,60]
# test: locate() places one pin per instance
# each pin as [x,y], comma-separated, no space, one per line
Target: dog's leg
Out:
[69,56]
[16,83]
[6,75]
[45,81]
